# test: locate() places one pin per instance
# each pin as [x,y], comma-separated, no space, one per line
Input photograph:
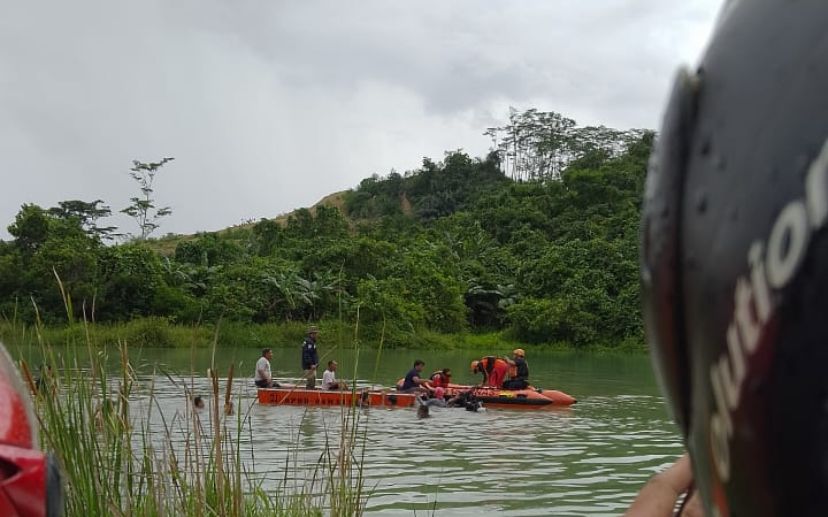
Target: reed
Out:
[103,425]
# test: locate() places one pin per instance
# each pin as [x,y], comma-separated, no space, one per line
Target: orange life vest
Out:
[438,378]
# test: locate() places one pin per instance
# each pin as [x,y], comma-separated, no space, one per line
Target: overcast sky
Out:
[270,105]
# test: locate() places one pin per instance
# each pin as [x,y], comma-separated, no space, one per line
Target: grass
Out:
[159,332]
[103,426]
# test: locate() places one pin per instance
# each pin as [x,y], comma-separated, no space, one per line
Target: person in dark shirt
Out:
[310,357]
[520,380]
[413,382]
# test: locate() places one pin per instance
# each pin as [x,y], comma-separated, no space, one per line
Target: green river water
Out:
[586,460]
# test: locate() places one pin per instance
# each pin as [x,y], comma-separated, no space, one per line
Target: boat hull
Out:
[305,397]
[529,398]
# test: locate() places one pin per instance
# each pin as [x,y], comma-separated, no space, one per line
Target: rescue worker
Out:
[413,382]
[520,379]
[734,267]
[310,357]
[440,378]
[493,369]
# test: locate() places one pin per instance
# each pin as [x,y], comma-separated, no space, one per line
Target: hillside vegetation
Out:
[538,240]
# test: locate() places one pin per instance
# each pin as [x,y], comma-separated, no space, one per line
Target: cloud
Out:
[268,106]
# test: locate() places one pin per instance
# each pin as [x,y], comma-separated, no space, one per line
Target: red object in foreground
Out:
[22,481]
[28,477]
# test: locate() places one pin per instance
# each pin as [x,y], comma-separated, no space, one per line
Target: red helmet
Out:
[29,479]
[735,260]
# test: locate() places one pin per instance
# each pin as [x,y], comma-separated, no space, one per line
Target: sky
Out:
[268,106]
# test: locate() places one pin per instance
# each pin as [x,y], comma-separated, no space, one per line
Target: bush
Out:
[148,332]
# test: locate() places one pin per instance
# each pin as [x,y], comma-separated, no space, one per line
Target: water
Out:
[586,460]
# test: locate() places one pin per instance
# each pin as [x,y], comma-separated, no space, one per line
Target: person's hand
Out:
[658,497]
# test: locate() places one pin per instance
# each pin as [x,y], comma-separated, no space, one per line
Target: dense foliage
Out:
[460,244]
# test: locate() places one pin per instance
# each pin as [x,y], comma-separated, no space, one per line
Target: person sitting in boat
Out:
[441,378]
[413,382]
[262,377]
[520,380]
[493,369]
[329,381]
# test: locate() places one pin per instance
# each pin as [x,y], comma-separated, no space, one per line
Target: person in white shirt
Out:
[329,381]
[262,377]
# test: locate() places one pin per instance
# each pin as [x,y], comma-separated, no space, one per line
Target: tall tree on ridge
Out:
[143,208]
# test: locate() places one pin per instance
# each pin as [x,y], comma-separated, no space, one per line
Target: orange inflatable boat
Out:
[529,398]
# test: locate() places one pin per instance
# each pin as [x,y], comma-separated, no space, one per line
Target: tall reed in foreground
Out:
[103,425]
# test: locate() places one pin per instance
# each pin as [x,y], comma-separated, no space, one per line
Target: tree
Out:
[87,213]
[143,208]
[30,228]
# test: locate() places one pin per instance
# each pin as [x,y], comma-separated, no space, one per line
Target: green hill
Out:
[538,240]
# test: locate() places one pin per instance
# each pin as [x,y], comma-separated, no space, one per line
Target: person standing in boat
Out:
[329,381]
[310,358]
[413,382]
[440,378]
[493,369]
[262,376]
[520,380]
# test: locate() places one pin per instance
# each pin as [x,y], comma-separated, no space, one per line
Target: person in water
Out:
[413,381]
[262,377]
[310,357]
[437,398]
[329,381]
[440,378]
[493,369]
[734,268]
[520,380]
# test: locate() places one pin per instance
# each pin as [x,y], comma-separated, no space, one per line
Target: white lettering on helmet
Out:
[791,228]
[759,282]
[816,186]
[746,318]
[772,266]
[719,438]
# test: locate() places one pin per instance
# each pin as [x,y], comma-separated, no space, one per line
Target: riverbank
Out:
[161,333]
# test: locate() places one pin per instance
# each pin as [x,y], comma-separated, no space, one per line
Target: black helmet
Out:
[735,260]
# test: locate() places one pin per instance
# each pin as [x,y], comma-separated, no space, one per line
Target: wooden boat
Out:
[305,397]
[529,398]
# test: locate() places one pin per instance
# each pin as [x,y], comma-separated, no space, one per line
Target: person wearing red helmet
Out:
[29,479]
[734,266]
